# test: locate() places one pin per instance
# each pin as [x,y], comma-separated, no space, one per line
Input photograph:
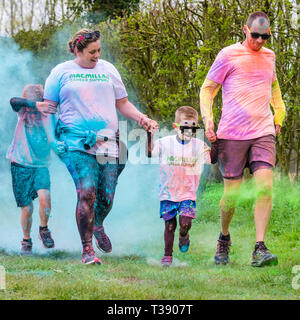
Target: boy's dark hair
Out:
[255,15]
[188,112]
[33,92]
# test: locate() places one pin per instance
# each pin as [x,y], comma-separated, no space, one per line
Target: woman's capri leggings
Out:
[95,185]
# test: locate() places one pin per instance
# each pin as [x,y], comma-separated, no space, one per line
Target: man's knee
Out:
[28,209]
[44,198]
[265,191]
[228,202]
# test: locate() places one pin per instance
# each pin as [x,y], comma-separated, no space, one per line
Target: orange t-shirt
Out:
[246,77]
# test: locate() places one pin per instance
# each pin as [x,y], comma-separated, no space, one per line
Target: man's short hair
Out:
[186,112]
[255,15]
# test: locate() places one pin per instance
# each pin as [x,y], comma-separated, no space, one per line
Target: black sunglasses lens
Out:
[88,35]
[255,35]
[264,36]
[91,34]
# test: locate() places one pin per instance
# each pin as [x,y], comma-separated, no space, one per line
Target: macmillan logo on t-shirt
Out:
[89,77]
[181,161]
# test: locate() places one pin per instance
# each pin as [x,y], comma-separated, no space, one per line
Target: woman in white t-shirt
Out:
[89,92]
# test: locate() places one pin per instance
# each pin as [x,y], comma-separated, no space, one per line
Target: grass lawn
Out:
[61,275]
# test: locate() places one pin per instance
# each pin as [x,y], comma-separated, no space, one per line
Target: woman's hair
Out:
[186,112]
[33,92]
[83,43]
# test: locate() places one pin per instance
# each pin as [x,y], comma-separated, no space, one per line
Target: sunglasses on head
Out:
[255,35]
[89,35]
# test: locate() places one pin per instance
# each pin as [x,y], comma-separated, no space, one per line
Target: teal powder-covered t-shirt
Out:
[30,144]
[87,102]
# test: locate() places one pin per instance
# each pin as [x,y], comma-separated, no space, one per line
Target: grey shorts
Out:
[26,181]
[235,155]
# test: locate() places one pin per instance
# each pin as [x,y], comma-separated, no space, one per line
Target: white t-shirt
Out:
[87,100]
[180,167]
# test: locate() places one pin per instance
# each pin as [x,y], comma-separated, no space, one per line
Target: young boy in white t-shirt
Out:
[181,159]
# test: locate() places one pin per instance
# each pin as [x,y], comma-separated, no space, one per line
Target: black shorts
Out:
[26,181]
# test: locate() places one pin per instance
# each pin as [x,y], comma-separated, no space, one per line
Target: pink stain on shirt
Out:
[246,77]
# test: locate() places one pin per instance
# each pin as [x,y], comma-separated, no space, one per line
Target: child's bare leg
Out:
[26,220]
[45,206]
[185,225]
[170,227]
[44,212]
[184,240]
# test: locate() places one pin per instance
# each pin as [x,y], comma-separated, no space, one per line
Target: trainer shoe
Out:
[45,236]
[261,256]
[166,261]
[26,248]
[102,240]
[222,252]
[184,243]
[89,257]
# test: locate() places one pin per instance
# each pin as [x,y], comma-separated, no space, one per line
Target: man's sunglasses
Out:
[255,35]
[90,35]
[183,128]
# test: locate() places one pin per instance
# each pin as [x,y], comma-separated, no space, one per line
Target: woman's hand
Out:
[45,108]
[148,124]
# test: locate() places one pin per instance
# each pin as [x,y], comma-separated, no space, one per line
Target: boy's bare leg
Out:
[263,206]
[184,239]
[45,206]
[170,227]
[44,212]
[26,220]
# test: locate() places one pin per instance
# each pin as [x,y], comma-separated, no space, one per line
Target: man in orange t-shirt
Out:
[247,129]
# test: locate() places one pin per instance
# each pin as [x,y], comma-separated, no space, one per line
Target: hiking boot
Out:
[261,256]
[89,257]
[102,240]
[26,248]
[184,243]
[45,236]
[222,252]
[166,261]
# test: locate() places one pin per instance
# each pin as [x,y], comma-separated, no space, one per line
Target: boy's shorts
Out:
[235,155]
[26,181]
[170,209]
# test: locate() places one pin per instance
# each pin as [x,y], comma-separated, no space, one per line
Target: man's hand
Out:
[210,135]
[277,129]
[45,108]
